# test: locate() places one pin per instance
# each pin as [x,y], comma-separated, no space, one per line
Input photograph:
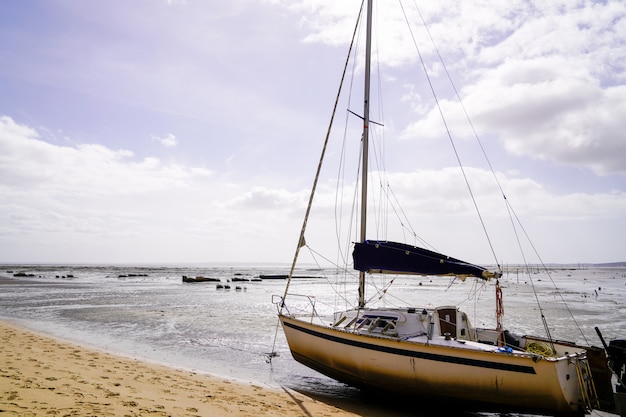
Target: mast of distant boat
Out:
[366,122]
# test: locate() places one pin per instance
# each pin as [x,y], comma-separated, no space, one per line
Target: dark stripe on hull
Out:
[413,354]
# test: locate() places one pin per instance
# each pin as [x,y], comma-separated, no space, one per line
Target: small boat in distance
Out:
[430,351]
[199,279]
[285,276]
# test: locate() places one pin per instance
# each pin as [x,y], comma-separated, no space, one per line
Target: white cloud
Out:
[84,170]
[552,88]
[262,198]
[88,203]
[84,203]
[85,180]
[169,140]
[434,193]
[542,109]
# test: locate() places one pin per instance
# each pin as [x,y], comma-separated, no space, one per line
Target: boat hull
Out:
[469,377]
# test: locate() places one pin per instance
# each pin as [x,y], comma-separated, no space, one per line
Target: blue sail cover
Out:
[399,258]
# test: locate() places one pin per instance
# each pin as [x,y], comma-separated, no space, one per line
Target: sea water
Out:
[149,313]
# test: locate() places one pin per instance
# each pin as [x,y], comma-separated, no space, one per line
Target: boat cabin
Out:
[446,321]
[443,325]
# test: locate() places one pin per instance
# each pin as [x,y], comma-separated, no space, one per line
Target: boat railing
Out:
[299,306]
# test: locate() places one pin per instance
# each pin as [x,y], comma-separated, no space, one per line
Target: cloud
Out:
[442,192]
[90,203]
[88,170]
[67,183]
[542,109]
[549,86]
[262,198]
[169,141]
[555,90]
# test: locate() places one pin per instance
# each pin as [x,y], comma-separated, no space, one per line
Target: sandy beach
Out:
[41,376]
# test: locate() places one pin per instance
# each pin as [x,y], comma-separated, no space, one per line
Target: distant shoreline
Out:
[261,265]
[565,266]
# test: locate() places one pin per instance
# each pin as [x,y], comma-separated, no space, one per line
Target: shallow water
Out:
[150,314]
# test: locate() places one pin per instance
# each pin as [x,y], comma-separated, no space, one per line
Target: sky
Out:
[171,131]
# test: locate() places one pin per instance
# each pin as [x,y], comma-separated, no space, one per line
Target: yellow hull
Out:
[507,380]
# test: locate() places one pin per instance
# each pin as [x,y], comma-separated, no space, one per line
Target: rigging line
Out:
[530,278]
[377,143]
[477,286]
[444,121]
[339,197]
[547,271]
[380,290]
[319,166]
[401,218]
[407,220]
[341,172]
[377,152]
[343,251]
[458,96]
[513,217]
[337,293]
[382,225]
[395,301]
[497,181]
[339,268]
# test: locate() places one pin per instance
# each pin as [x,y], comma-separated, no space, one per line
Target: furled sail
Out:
[399,258]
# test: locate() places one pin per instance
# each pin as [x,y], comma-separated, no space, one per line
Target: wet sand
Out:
[42,376]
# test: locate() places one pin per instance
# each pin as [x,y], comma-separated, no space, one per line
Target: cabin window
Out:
[378,324]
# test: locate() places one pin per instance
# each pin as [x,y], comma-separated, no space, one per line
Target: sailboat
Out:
[435,352]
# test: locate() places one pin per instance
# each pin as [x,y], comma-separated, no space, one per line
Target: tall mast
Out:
[366,122]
